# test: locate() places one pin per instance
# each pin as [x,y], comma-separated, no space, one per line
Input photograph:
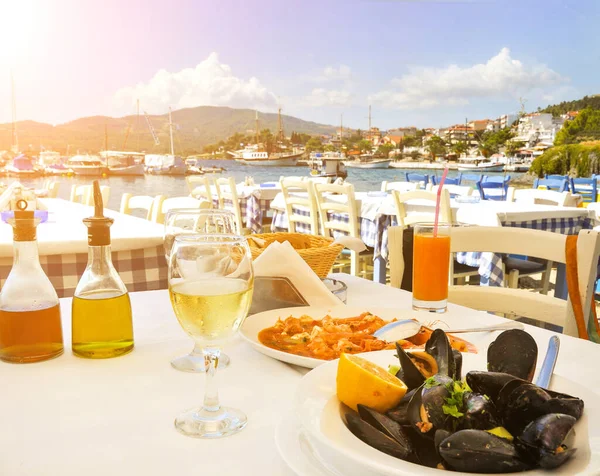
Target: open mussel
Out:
[425,409]
[415,367]
[439,347]
[477,451]
[543,441]
[513,352]
[521,404]
[399,447]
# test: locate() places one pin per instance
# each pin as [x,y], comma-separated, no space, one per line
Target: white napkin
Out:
[280,259]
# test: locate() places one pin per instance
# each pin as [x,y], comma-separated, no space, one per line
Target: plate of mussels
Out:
[464,413]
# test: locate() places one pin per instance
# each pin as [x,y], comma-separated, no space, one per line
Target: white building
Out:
[507,120]
[538,127]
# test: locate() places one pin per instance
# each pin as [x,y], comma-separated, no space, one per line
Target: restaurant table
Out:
[255,203]
[136,244]
[72,416]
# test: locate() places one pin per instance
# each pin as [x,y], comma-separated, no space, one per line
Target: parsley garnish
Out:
[454,403]
[431,382]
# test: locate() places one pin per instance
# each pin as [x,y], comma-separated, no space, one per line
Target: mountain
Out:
[576,105]
[194,128]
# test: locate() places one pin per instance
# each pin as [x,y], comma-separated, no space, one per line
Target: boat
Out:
[165,164]
[57,169]
[255,155]
[479,164]
[366,161]
[517,168]
[52,163]
[125,166]
[328,165]
[23,167]
[213,170]
[87,165]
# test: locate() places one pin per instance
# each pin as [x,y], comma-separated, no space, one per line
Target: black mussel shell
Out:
[480,412]
[457,364]
[513,352]
[522,405]
[409,372]
[428,402]
[489,383]
[542,441]
[400,413]
[427,454]
[378,440]
[477,451]
[386,425]
[440,435]
[439,347]
[566,404]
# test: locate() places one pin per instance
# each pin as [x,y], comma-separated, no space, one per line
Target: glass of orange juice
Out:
[431,263]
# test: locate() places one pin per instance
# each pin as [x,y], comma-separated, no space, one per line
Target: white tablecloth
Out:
[64,232]
[73,416]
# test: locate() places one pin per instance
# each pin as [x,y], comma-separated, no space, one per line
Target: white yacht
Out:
[86,165]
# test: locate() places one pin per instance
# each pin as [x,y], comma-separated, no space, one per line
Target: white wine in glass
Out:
[210,285]
[181,221]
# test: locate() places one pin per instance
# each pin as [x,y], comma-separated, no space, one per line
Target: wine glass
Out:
[180,221]
[210,284]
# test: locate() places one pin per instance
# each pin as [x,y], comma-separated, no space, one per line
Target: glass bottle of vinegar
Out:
[102,324]
[30,324]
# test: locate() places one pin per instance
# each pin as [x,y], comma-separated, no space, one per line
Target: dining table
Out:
[71,416]
[136,245]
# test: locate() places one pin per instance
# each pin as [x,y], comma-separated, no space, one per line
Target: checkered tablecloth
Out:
[253,210]
[372,232]
[140,270]
[490,264]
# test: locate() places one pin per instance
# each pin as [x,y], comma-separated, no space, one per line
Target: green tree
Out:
[511,147]
[314,144]
[364,146]
[414,155]
[436,147]
[385,149]
[586,126]
[410,141]
[460,148]
[330,148]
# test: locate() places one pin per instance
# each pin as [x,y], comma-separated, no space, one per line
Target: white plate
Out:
[319,411]
[257,322]
[297,451]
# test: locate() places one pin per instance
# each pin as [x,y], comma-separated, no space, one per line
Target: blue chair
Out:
[586,187]
[471,178]
[559,177]
[412,177]
[452,181]
[496,182]
[559,185]
[433,179]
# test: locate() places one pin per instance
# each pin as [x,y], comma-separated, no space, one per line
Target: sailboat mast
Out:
[256,118]
[369,119]
[171,132]
[137,125]
[341,129]
[280,124]
[106,143]
[15,138]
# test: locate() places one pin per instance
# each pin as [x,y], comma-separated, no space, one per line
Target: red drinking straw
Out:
[437,202]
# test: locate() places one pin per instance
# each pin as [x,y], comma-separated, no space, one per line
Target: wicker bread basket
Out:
[314,250]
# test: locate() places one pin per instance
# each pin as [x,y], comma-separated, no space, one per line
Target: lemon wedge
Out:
[361,381]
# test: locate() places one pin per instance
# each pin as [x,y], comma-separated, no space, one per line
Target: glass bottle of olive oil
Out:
[102,324]
[30,325]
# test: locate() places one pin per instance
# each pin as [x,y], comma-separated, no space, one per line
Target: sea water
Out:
[364,180]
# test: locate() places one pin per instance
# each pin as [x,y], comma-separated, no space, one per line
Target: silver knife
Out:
[545,375]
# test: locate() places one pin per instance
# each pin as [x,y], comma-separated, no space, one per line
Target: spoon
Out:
[407,328]
[547,369]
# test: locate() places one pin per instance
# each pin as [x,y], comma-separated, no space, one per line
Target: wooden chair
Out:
[290,189]
[81,194]
[344,204]
[162,205]
[400,186]
[227,191]
[586,187]
[418,178]
[200,188]
[558,184]
[52,187]
[520,302]
[130,202]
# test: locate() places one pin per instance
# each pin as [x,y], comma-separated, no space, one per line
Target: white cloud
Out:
[342,72]
[210,83]
[500,76]
[320,97]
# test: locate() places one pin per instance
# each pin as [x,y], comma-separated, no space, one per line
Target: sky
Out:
[427,63]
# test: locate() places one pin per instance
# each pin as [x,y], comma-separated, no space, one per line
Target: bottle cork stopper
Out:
[98,225]
[24,224]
